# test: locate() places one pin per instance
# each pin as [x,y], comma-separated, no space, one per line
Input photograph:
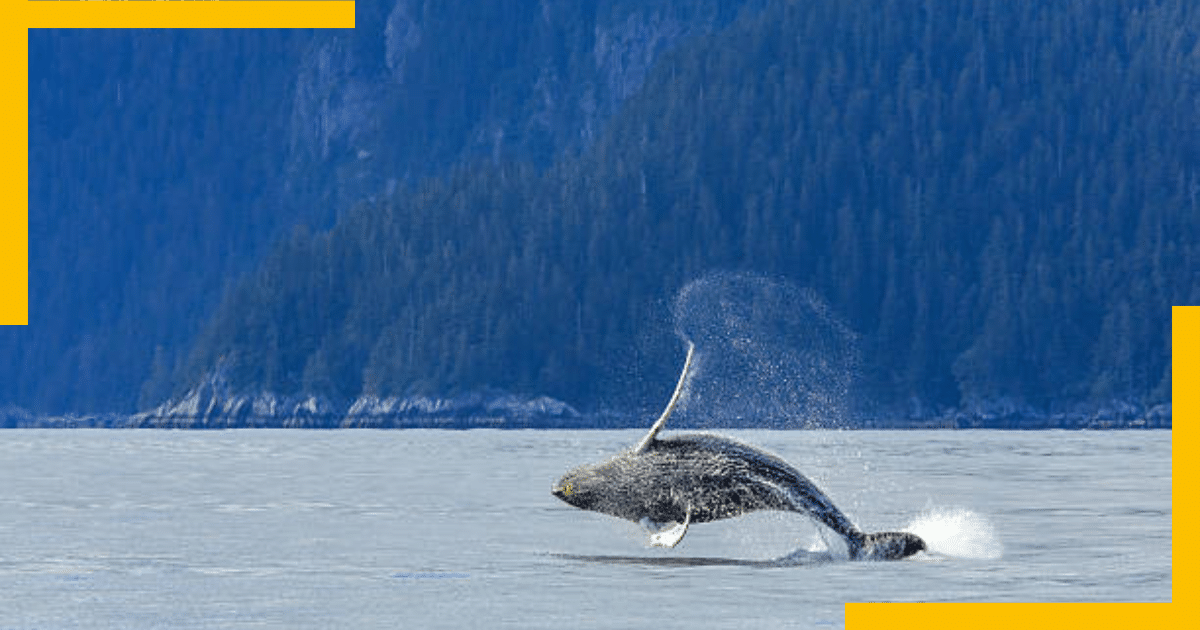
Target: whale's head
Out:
[600,487]
[582,487]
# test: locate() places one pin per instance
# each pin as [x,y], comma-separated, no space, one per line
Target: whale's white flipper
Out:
[671,537]
[662,420]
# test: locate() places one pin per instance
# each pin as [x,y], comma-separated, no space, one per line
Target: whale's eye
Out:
[568,490]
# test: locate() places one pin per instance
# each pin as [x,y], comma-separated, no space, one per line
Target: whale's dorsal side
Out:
[662,420]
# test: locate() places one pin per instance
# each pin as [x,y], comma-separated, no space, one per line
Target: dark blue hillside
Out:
[998,200]
[1002,210]
[165,163]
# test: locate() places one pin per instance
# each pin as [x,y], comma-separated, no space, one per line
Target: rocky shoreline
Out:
[507,411]
[213,405]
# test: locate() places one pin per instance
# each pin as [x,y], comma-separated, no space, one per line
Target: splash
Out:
[957,532]
[767,351]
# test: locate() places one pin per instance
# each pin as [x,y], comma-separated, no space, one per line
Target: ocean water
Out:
[426,528]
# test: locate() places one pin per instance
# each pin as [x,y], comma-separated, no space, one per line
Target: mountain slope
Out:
[1000,199]
[165,163]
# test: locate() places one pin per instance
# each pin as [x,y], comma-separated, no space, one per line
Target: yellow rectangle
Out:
[999,616]
[14,215]
[1185,409]
[247,14]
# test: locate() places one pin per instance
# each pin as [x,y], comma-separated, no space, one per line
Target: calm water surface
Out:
[366,529]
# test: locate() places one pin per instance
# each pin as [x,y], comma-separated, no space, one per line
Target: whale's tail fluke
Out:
[885,546]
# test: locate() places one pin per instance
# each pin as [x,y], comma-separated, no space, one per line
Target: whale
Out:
[668,484]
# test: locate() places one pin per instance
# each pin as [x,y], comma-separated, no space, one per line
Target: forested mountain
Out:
[153,177]
[165,163]
[999,197]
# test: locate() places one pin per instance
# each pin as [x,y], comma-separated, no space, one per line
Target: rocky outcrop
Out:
[212,405]
[200,410]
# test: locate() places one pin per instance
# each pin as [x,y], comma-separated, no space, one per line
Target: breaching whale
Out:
[700,478]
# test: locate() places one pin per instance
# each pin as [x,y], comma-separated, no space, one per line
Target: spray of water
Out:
[766,351]
[957,532]
[769,351]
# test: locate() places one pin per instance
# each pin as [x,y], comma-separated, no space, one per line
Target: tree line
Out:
[999,197]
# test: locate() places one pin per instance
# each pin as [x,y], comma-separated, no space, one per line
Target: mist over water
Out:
[766,350]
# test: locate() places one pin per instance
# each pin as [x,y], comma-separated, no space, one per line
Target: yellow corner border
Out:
[14,167]
[1185,401]
[14,46]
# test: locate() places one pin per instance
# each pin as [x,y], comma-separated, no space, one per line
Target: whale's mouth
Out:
[569,493]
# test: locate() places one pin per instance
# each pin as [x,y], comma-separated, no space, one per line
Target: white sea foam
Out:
[957,532]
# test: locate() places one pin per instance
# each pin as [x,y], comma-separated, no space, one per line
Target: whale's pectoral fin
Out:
[671,537]
[662,420]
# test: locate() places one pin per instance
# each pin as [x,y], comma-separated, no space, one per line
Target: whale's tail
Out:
[884,545]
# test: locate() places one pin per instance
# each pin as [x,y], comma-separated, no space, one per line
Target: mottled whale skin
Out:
[701,478]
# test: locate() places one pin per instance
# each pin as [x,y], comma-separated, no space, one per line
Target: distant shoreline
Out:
[213,407]
[1007,423]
